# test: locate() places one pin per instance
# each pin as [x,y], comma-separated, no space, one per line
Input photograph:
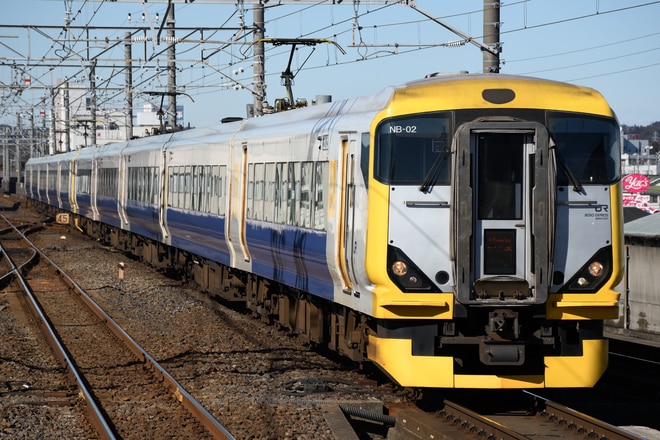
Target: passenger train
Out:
[458,231]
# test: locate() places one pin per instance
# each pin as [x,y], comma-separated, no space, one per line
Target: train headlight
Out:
[596,269]
[592,275]
[399,268]
[405,274]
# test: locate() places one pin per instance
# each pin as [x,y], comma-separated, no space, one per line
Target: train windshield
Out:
[589,146]
[408,148]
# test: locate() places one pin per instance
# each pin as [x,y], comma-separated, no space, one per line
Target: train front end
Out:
[496,261]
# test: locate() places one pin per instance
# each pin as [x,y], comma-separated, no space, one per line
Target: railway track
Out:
[127,394]
[543,419]
[221,355]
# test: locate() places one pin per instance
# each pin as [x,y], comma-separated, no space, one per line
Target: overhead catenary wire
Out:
[338,27]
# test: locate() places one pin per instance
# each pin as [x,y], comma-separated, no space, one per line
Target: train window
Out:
[212,182]
[364,158]
[131,184]
[500,176]
[187,187]
[107,185]
[281,188]
[258,191]
[269,195]
[146,193]
[222,190]
[64,180]
[155,186]
[52,181]
[196,188]
[83,181]
[139,187]
[306,184]
[178,201]
[250,190]
[293,191]
[42,179]
[589,146]
[320,187]
[152,175]
[145,178]
[179,186]
[407,148]
[171,186]
[208,188]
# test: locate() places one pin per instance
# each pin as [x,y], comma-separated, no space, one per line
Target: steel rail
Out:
[184,397]
[97,417]
[477,423]
[585,424]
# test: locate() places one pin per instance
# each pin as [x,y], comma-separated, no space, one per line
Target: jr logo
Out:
[601,208]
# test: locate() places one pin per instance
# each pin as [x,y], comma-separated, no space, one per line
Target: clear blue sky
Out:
[610,45]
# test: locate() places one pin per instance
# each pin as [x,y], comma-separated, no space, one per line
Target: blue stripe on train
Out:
[143,219]
[292,256]
[202,234]
[84,202]
[107,208]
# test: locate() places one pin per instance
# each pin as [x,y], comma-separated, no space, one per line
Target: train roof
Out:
[466,91]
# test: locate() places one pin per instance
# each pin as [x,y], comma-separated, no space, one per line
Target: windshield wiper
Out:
[431,176]
[577,186]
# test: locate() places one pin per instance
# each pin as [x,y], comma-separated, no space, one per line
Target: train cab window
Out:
[408,147]
[320,186]
[269,194]
[589,146]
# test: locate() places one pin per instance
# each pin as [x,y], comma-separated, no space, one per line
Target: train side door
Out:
[94,185]
[235,227]
[122,191]
[503,217]
[163,194]
[347,231]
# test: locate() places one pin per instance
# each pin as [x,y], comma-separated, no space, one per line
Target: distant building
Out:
[72,103]
[639,156]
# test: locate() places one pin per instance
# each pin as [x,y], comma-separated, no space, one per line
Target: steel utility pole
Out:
[492,36]
[128,107]
[259,69]
[92,102]
[171,67]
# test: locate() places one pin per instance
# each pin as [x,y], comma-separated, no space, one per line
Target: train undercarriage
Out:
[488,341]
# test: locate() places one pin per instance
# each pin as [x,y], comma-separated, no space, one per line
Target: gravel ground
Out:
[253,378]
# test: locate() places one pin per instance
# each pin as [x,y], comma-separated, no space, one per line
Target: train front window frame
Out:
[408,146]
[590,146]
